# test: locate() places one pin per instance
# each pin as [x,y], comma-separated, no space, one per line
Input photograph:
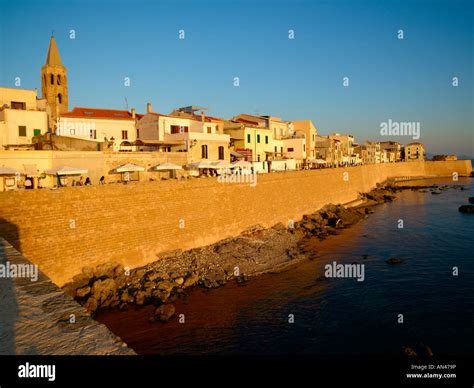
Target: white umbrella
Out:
[130,167]
[166,167]
[317,161]
[242,164]
[65,170]
[8,171]
[202,164]
[222,164]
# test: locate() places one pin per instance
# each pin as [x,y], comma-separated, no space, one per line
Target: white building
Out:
[112,126]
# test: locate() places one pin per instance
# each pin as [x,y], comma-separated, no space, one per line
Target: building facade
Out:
[22,116]
[414,152]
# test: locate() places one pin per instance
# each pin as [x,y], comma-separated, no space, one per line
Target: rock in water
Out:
[394,260]
[409,352]
[164,312]
[82,292]
[471,200]
[466,209]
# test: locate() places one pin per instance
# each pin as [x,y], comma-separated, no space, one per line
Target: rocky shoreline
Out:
[255,251]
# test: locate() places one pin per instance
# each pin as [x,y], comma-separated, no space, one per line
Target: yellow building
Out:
[414,152]
[251,133]
[21,118]
[310,132]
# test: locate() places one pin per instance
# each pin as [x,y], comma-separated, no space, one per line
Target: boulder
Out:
[166,285]
[91,305]
[104,289]
[79,281]
[127,298]
[140,298]
[409,351]
[179,281]
[468,209]
[82,292]
[164,312]
[88,271]
[191,280]
[106,270]
[160,296]
[394,260]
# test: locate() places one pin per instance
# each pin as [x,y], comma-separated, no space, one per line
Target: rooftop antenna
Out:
[126,103]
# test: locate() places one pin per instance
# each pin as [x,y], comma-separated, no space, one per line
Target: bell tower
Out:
[54,83]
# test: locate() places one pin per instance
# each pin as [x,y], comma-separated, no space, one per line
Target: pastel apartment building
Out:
[201,136]
[414,152]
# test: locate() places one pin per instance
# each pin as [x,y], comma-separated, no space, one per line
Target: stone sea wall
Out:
[65,230]
[38,318]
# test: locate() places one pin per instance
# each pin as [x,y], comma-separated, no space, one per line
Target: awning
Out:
[222,164]
[237,154]
[317,161]
[65,170]
[8,171]
[203,164]
[129,167]
[166,167]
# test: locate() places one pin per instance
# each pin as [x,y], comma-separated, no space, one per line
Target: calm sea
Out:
[340,316]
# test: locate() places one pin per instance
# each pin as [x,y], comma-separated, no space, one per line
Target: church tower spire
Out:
[54,83]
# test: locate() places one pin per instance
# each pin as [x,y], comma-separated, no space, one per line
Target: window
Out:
[93,134]
[124,135]
[58,79]
[18,105]
[204,151]
[276,149]
[179,129]
[221,152]
[266,139]
[258,138]
[60,98]
[21,130]
[304,147]
[36,132]
[248,138]
[209,130]
[52,79]
[138,133]
[291,149]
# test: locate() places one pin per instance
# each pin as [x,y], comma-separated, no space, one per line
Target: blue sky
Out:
[402,80]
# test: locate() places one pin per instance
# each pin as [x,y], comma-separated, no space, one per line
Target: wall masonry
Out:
[132,224]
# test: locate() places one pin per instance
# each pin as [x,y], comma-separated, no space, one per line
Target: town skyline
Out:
[264,89]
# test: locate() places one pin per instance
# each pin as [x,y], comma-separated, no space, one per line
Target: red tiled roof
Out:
[240,120]
[96,113]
